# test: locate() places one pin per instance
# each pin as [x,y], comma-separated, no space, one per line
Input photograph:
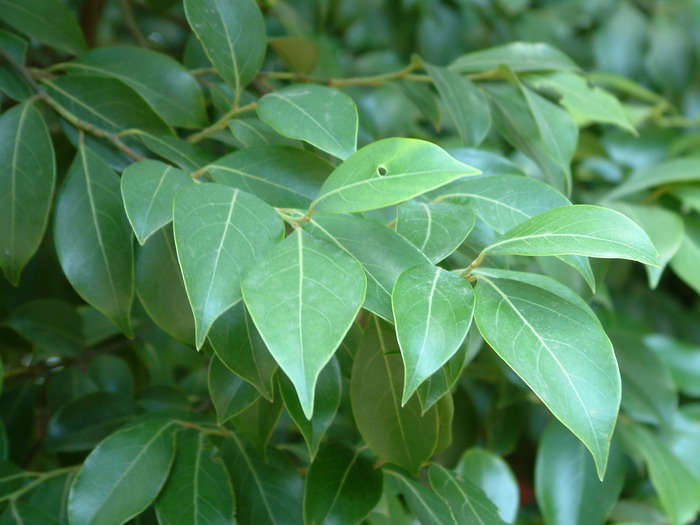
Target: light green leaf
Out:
[492,474]
[303,299]
[567,487]
[148,189]
[229,393]
[490,163]
[232,33]
[185,155]
[160,288]
[162,81]
[428,507]
[280,175]
[49,21]
[123,475]
[685,437]
[388,172]
[267,492]
[106,103]
[676,486]
[252,132]
[518,56]
[398,434]
[423,98]
[99,262]
[436,229]
[464,102]
[27,175]
[199,489]
[685,261]
[433,310]
[220,233]
[467,502]
[442,381]
[683,170]
[579,229]
[239,346]
[383,260]
[665,229]
[342,486]
[682,359]
[328,390]
[322,116]
[584,102]
[543,337]
[688,195]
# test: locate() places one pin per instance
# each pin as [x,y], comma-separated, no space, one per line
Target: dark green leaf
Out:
[12,83]
[230,393]
[20,514]
[187,156]
[518,56]
[300,55]
[424,99]
[423,502]
[253,132]
[257,422]
[112,374]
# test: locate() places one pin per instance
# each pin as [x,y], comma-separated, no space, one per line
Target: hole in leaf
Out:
[381,170]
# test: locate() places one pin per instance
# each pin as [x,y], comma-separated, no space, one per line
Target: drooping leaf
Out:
[518,56]
[303,299]
[185,155]
[430,508]
[567,487]
[436,229]
[342,486]
[229,393]
[49,21]
[578,229]
[433,311]
[267,492]
[238,345]
[423,98]
[322,116]
[99,262]
[328,391]
[399,434]
[123,475]
[220,233]
[232,33]
[162,81]
[683,170]
[106,103]
[382,260]
[442,381]
[280,175]
[542,337]
[257,422]
[388,172]
[464,102]
[27,175]
[199,489]
[148,189]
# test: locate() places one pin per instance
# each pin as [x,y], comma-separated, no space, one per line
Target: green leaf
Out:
[238,345]
[584,102]
[20,514]
[428,507]
[160,288]
[322,116]
[12,83]
[11,477]
[328,391]
[676,486]
[682,360]
[252,132]
[112,374]
[568,490]
[492,474]
[267,492]
[82,423]
[490,163]
[398,434]
[342,486]
[257,422]
[99,262]
[433,310]
[280,175]
[436,229]
[148,189]
[50,324]
[300,55]
[388,172]
[518,56]
[162,81]
[230,394]
[106,103]
[685,261]
[543,337]
[665,229]
[442,381]
[49,21]
[464,102]
[232,33]
[423,98]
[27,175]
[383,260]
[683,170]
[684,440]
[578,229]
[220,233]
[123,475]
[183,154]
[467,502]
[303,299]
[199,489]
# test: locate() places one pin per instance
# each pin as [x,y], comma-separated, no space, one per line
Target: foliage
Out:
[346,261]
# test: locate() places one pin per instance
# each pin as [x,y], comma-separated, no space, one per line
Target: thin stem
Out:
[222,122]
[467,273]
[218,431]
[41,477]
[131,25]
